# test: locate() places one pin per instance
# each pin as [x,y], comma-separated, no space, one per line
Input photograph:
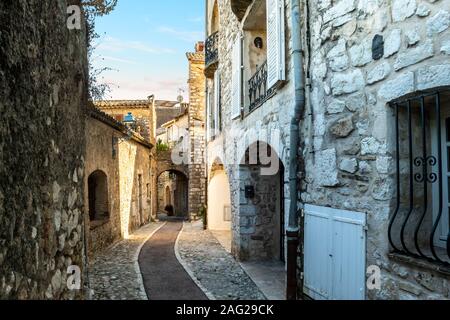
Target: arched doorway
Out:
[261,205]
[168,196]
[173,195]
[219,218]
[98,198]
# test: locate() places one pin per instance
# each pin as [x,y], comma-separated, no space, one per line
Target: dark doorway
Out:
[98,196]
[173,195]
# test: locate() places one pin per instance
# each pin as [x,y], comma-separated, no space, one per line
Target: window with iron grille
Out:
[419,225]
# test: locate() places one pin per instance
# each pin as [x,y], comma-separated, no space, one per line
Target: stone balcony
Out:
[212,54]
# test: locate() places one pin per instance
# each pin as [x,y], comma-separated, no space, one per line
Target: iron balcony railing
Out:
[419,226]
[212,49]
[257,88]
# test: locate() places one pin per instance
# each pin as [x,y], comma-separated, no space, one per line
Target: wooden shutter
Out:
[208,115]
[236,79]
[216,102]
[275,43]
[335,254]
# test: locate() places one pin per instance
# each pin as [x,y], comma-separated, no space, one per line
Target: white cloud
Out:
[128,86]
[116,45]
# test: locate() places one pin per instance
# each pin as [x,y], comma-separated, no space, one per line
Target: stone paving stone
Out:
[214,267]
[113,274]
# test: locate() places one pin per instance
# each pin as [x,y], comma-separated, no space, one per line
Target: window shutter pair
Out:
[213,108]
[276,70]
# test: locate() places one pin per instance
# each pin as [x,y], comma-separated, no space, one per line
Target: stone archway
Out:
[219,213]
[165,163]
[172,194]
[261,213]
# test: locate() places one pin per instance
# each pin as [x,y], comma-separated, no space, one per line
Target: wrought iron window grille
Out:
[419,226]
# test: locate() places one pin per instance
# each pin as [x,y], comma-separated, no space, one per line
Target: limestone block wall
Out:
[136,186]
[42,94]
[347,131]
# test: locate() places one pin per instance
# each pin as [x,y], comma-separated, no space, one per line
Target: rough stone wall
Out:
[196,113]
[272,117]
[42,94]
[349,153]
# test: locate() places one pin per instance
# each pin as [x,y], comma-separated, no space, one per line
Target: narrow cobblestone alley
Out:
[164,276]
[170,261]
[114,274]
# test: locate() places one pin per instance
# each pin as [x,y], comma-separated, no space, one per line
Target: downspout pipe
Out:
[293,230]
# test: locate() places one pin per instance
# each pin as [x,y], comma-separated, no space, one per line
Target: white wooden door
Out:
[335,254]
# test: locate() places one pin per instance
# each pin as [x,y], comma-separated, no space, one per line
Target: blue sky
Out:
[145,42]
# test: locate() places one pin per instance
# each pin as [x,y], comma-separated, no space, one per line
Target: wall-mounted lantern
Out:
[129,119]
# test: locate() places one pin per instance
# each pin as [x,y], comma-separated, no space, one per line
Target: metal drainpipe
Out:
[292,232]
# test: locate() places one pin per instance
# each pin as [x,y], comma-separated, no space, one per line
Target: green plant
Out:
[161,146]
[203,214]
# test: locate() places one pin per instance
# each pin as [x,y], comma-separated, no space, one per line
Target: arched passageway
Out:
[98,197]
[219,218]
[261,205]
[173,194]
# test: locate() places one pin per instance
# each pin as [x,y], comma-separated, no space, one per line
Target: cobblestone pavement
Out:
[214,267]
[113,273]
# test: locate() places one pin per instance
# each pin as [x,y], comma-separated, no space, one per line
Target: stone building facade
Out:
[365,55]
[43,67]
[143,116]
[119,183]
[363,61]
[249,119]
